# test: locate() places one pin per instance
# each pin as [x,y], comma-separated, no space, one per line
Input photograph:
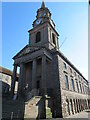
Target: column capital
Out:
[14,64]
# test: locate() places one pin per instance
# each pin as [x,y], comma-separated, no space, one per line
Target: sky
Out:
[70,18]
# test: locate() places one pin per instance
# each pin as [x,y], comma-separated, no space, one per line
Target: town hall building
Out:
[49,84]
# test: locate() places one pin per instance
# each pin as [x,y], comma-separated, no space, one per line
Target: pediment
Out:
[27,49]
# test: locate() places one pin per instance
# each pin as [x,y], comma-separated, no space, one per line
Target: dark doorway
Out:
[38,84]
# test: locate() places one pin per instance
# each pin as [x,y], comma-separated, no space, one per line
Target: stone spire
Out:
[43,4]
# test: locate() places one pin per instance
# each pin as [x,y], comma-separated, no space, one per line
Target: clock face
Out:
[44,14]
[38,21]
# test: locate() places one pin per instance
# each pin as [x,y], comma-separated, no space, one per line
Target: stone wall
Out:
[77,100]
[6,83]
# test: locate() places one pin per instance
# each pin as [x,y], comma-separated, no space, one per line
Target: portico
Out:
[32,72]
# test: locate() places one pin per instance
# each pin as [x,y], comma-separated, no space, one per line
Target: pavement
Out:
[83,114]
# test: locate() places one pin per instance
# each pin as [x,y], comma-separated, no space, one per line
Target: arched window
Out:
[73,88]
[71,105]
[77,85]
[53,37]
[80,87]
[66,82]
[74,107]
[38,37]
[67,106]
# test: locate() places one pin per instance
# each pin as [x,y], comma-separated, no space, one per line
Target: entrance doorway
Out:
[38,84]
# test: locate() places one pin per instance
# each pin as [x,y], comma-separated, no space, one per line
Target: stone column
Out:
[20,80]
[13,79]
[34,70]
[44,74]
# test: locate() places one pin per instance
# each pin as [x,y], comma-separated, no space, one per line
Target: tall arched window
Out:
[67,106]
[73,87]
[66,82]
[74,107]
[71,105]
[77,85]
[53,37]
[38,37]
[80,86]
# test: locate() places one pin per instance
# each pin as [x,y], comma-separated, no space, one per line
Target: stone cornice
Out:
[66,60]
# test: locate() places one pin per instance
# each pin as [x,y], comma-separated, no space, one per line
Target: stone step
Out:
[18,107]
[31,109]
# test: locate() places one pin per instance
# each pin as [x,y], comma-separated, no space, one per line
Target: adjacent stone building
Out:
[46,75]
[5,81]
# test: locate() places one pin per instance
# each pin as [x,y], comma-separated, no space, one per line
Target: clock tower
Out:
[39,67]
[43,33]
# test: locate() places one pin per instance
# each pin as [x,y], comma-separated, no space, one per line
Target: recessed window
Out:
[38,37]
[65,65]
[84,88]
[77,86]
[66,82]
[70,70]
[78,76]
[67,106]
[74,104]
[73,88]
[75,73]
[53,37]
[71,105]
[80,87]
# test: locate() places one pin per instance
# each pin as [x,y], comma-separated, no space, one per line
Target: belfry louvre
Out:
[49,85]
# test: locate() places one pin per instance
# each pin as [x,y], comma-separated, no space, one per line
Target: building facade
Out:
[45,72]
[5,80]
